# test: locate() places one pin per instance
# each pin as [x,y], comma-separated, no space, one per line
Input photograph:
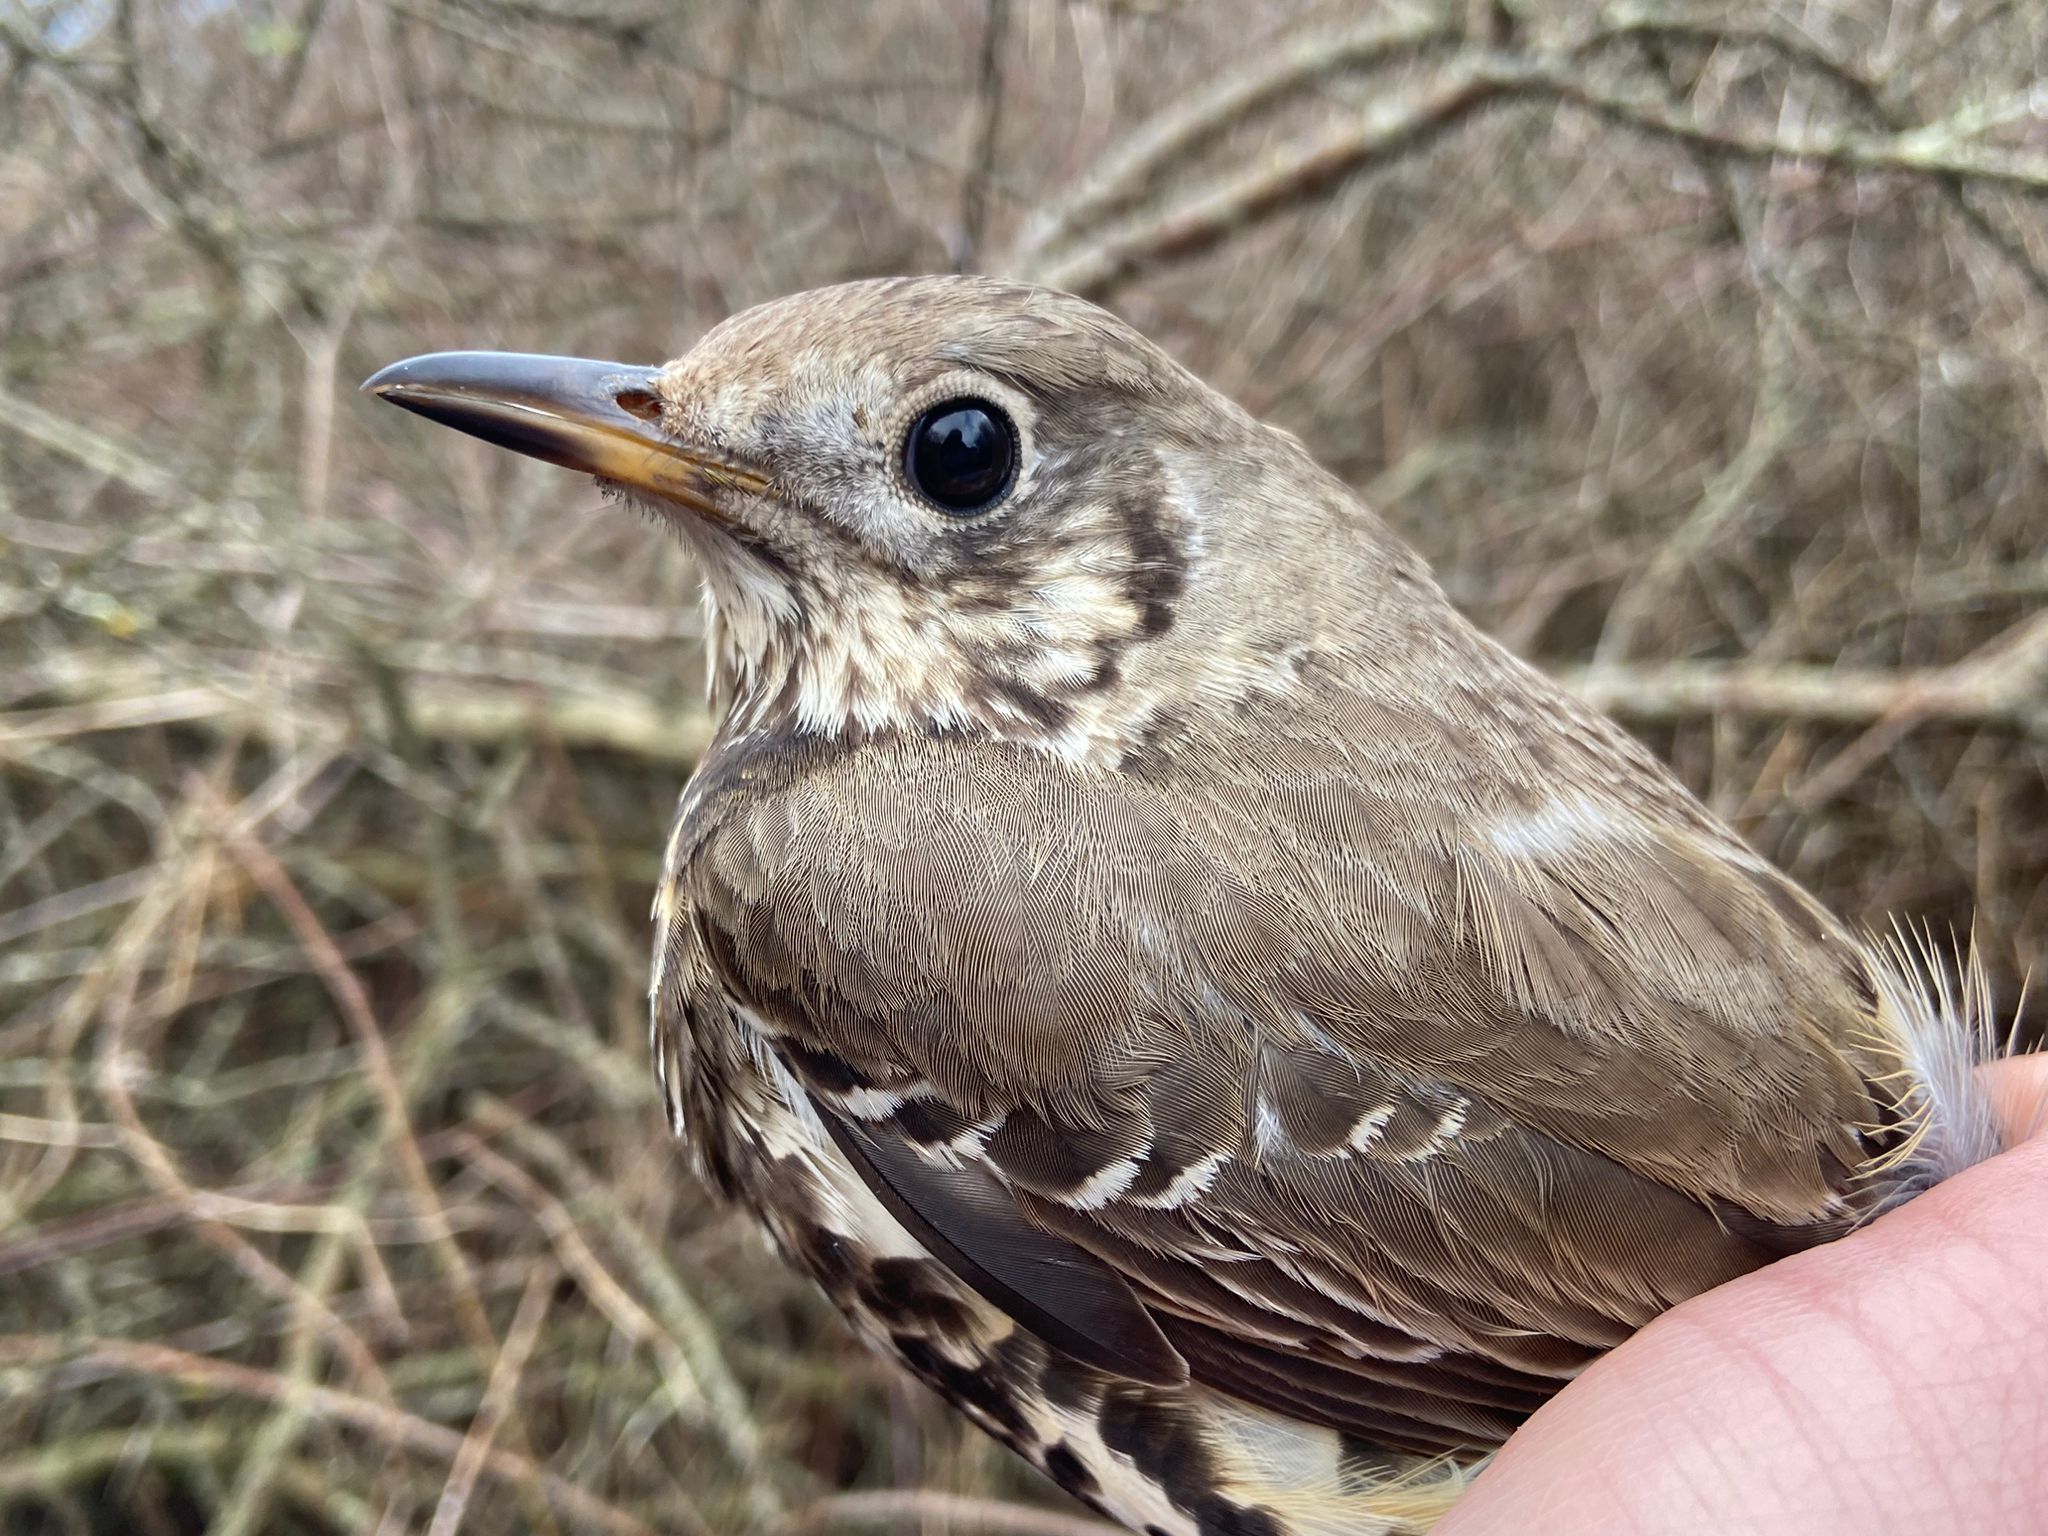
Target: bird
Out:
[1238,1033]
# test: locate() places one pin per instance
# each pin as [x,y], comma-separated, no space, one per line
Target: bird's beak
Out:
[601,418]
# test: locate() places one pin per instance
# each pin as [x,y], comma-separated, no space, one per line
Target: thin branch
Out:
[683,1319]
[394,1426]
[95,450]
[1943,151]
[2006,688]
[213,1216]
[353,1001]
[500,1392]
[1141,159]
[1216,209]
[988,134]
[483,714]
[914,1508]
[115,694]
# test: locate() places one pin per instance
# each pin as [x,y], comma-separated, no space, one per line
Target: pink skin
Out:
[1892,1384]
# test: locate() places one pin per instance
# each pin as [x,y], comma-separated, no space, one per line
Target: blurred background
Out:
[1701,347]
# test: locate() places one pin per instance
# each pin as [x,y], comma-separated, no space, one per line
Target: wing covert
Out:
[1357,1113]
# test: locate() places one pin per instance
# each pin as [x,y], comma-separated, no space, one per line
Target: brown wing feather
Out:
[1430,1096]
[967,1220]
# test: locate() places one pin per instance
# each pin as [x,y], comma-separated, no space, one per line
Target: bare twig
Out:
[907,1508]
[499,1393]
[988,134]
[394,1426]
[682,1318]
[631,724]
[1943,152]
[122,694]
[2008,691]
[2015,666]
[96,450]
[399,1134]
[1145,157]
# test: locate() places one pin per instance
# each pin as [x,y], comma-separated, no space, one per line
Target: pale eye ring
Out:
[961,455]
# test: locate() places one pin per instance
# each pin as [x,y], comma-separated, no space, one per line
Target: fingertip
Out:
[1857,1388]
[2019,1093]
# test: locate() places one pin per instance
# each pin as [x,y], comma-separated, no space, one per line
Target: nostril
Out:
[644,403]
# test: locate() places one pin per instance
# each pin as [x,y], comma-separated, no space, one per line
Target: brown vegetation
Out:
[1700,346]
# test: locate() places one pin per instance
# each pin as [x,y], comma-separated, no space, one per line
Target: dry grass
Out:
[1700,347]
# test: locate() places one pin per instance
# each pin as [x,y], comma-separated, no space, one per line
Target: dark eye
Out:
[962,456]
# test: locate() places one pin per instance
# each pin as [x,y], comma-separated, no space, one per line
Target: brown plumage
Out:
[1232,1028]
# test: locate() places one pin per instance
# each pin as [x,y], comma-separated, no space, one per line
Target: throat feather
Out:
[828,661]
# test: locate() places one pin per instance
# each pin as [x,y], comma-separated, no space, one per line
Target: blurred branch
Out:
[96,451]
[1216,209]
[2005,687]
[1730,495]
[2014,666]
[88,1359]
[500,1399]
[1138,162]
[2009,692]
[974,194]
[1681,690]
[918,1509]
[686,1327]
[108,694]
[1944,151]
[625,1313]
[1862,94]
[794,104]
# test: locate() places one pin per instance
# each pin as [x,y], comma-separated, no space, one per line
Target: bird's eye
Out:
[961,456]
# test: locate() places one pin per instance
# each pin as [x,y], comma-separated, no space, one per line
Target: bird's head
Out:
[953,503]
